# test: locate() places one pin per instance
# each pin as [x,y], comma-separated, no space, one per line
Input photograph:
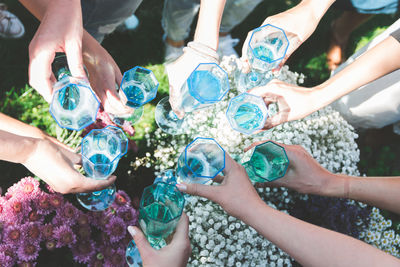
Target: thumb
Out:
[90,184]
[141,242]
[208,191]
[73,51]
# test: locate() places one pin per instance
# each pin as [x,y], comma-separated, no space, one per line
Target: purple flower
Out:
[116,229]
[12,235]
[47,231]
[121,199]
[28,251]
[116,259]
[66,214]
[32,231]
[64,236]
[83,251]
[7,255]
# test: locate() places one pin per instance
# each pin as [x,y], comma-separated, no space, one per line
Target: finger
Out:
[230,165]
[73,51]
[140,241]
[255,144]
[207,191]
[181,235]
[218,179]
[173,101]
[40,73]
[90,185]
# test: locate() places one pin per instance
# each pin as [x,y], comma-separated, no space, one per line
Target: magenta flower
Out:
[66,214]
[122,198]
[116,229]
[56,200]
[64,236]
[28,251]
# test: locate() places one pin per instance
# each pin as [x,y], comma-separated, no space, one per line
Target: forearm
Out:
[317,8]
[311,245]
[15,148]
[373,64]
[38,8]
[208,23]
[13,126]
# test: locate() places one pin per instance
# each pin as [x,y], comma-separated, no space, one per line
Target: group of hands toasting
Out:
[308,244]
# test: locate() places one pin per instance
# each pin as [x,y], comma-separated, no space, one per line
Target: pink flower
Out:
[122,198]
[42,203]
[64,236]
[116,229]
[56,200]
[28,251]
[15,211]
[26,189]
[83,251]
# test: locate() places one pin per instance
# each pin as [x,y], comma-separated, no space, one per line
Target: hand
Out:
[235,194]
[294,102]
[55,165]
[60,31]
[178,72]
[298,23]
[305,174]
[104,75]
[176,253]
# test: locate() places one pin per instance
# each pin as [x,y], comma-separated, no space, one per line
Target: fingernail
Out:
[131,230]
[181,187]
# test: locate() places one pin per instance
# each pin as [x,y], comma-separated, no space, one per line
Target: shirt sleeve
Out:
[396,35]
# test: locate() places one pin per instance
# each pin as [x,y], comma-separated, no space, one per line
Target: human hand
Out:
[176,253]
[305,174]
[60,31]
[294,102]
[179,71]
[298,26]
[55,165]
[104,75]
[235,194]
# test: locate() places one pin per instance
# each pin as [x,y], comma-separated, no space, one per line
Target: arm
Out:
[306,175]
[203,50]
[104,73]
[313,246]
[291,98]
[45,157]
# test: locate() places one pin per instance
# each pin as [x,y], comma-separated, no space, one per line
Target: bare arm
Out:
[372,65]
[306,175]
[308,244]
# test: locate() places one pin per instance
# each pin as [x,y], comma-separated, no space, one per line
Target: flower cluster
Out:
[221,240]
[33,219]
[381,235]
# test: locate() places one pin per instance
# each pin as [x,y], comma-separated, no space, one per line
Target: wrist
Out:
[338,186]
[30,146]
